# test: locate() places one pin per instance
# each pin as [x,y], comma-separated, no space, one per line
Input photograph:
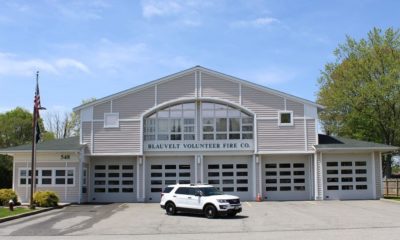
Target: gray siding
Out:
[99,110]
[311,134]
[212,86]
[297,108]
[133,105]
[263,104]
[125,139]
[87,133]
[177,88]
[272,137]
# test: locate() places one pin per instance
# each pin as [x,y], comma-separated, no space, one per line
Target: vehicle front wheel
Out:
[170,208]
[210,211]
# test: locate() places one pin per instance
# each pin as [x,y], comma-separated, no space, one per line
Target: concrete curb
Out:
[6,219]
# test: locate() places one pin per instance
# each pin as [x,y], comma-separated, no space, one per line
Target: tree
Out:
[361,90]
[15,129]
[64,125]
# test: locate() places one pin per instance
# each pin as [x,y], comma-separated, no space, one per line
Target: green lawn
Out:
[5,212]
[393,198]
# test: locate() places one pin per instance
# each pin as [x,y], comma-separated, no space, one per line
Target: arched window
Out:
[179,122]
[221,122]
[171,123]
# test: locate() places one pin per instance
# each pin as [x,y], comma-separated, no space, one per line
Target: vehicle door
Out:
[181,197]
[193,201]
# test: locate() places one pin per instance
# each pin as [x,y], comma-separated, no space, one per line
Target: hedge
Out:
[46,199]
[7,194]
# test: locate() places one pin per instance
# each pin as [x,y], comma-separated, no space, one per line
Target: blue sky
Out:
[87,49]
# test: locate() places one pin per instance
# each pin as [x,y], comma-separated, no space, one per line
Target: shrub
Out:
[7,194]
[46,199]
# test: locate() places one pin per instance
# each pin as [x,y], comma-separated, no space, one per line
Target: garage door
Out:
[347,177]
[167,171]
[231,175]
[286,178]
[114,181]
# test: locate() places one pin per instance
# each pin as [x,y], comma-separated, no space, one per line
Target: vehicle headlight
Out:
[221,201]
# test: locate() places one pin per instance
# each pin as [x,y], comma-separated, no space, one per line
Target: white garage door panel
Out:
[231,175]
[114,180]
[348,176]
[164,171]
[286,178]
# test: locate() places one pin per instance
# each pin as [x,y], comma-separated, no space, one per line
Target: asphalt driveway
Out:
[266,220]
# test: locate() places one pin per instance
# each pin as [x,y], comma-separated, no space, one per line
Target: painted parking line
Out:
[248,204]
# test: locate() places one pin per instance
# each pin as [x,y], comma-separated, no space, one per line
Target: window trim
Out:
[285,124]
[116,125]
[53,177]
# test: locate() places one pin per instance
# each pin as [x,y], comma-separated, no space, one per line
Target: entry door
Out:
[165,171]
[348,177]
[232,175]
[286,178]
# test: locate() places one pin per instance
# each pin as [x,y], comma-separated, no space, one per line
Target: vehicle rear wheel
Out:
[210,211]
[170,208]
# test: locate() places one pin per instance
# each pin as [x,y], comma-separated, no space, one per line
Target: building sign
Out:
[227,145]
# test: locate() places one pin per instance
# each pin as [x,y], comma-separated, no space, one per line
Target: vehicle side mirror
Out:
[198,194]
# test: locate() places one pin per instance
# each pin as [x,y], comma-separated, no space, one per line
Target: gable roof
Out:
[340,143]
[205,70]
[63,145]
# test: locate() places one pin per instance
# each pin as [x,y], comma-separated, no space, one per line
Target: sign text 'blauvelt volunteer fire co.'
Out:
[195,146]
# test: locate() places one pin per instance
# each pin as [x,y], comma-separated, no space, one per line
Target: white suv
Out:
[204,199]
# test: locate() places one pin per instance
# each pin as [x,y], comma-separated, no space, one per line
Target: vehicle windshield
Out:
[210,191]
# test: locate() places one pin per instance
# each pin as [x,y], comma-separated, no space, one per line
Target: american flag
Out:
[37,107]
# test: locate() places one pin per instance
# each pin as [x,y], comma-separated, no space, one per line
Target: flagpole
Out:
[33,163]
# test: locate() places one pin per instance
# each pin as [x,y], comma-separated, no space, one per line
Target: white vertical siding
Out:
[99,110]
[220,88]
[125,139]
[378,175]
[311,134]
[177,88]
[297,108]
[133,105]
[272,137]
[140,178]
[319,195]
[263,104]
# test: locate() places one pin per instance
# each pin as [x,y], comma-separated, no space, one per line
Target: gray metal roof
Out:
[331,143]
[67,144]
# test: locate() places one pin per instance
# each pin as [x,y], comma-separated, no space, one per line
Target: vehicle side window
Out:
[168,189]
[182,190]
[192,191]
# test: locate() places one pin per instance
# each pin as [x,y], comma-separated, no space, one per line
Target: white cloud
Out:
[258,22]
[71,63]
[272,76]
[188,13]
[11,64]
[154,8]
[81,10]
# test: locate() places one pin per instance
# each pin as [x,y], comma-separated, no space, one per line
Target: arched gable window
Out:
[172,123]
[179,123]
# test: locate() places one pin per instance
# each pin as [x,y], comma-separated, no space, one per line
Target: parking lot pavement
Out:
[267,220]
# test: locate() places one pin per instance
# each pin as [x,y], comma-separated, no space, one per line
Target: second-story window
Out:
[173,123]
[222,122]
